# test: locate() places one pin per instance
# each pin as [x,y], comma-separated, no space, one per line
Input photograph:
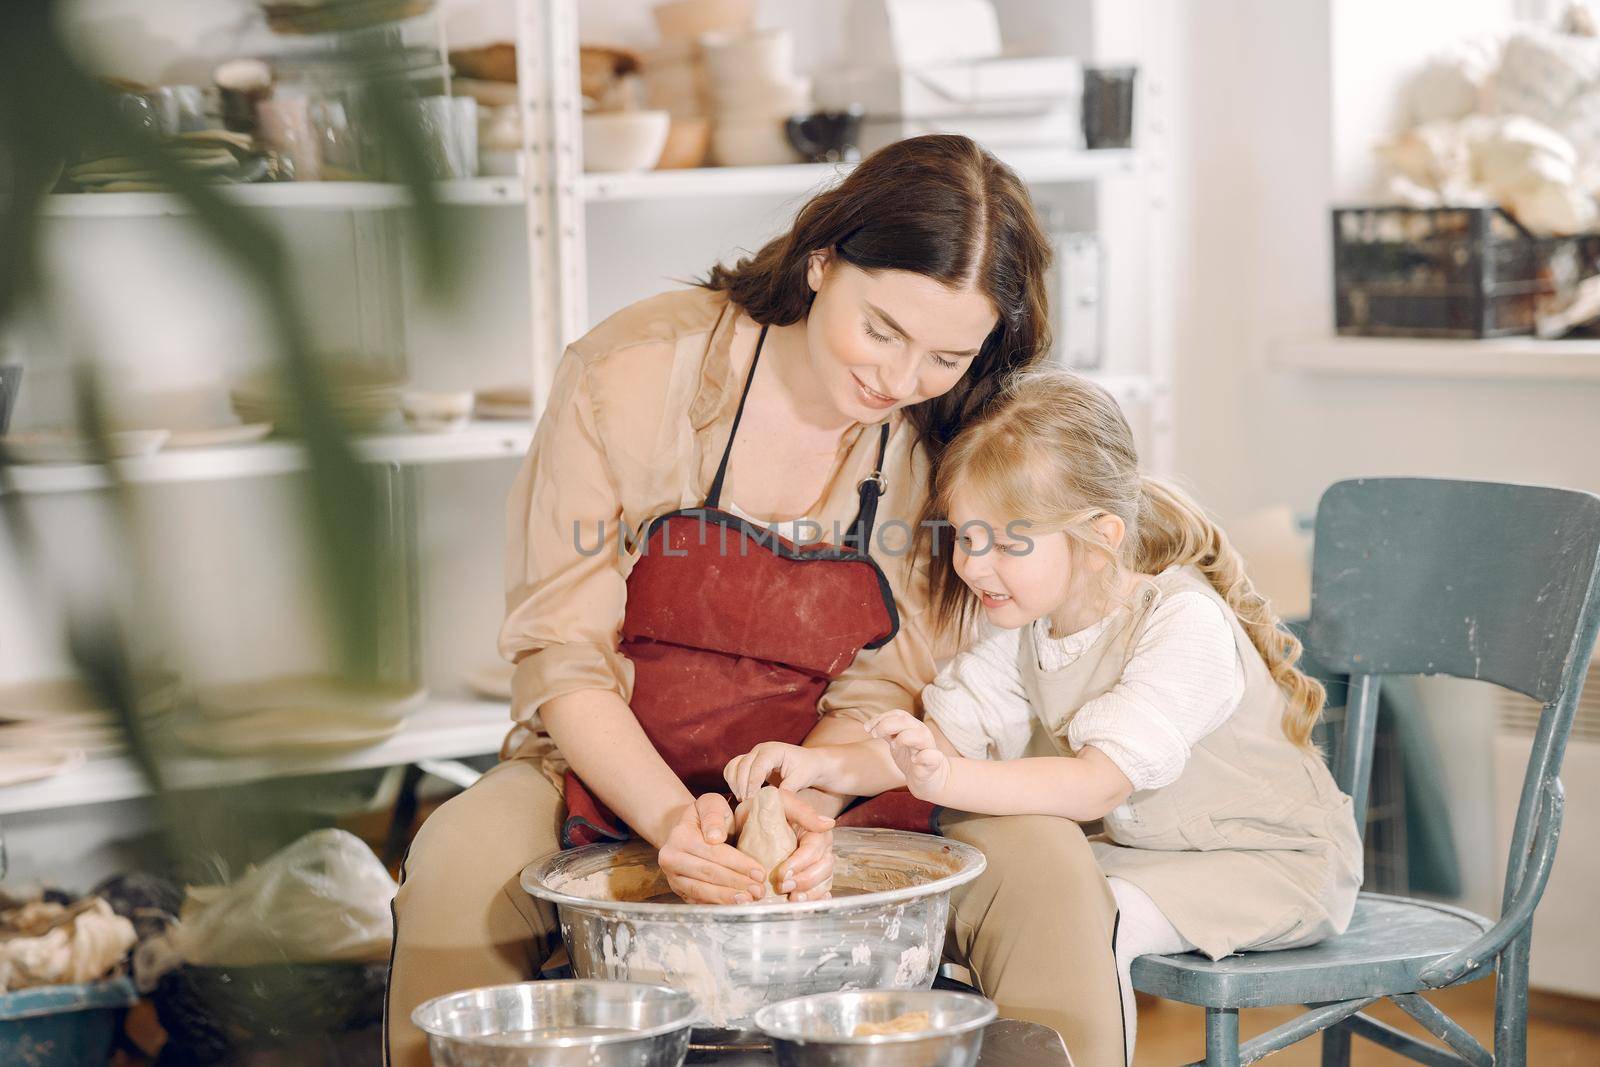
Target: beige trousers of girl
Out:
[1035,928]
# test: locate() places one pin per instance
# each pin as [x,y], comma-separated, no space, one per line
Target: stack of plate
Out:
[50,726]
[506,402]
[295,713]
[67,445]
[365,397]
[211,155]
[335,16]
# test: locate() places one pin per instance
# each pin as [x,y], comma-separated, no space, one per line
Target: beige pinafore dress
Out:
[1254,846]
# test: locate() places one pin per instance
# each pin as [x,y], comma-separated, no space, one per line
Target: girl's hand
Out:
[701,867]
[916,753]
[808,872]
[795,768]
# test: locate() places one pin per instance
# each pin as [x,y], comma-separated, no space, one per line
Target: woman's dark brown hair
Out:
[939,206]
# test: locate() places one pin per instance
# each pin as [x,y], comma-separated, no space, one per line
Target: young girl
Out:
[1131,674]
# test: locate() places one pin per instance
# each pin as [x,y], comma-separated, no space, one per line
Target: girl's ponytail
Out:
[1057,451]
[1174,531]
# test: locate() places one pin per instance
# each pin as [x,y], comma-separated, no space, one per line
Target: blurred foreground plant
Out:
[51,111]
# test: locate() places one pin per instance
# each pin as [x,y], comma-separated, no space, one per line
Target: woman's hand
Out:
[808,872]
[700,865]
[796,768]
[916,752]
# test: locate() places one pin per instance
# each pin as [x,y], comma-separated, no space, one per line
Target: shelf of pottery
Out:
[714,116]
[238,688]
[736,112]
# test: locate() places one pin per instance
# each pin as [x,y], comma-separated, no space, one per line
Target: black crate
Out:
[1448,272]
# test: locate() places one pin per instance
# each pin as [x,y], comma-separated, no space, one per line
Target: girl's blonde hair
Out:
[1055,450]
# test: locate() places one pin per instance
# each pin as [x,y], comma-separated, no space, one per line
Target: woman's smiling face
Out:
[883,340]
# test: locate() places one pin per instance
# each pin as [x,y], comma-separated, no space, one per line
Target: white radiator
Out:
[1566,938]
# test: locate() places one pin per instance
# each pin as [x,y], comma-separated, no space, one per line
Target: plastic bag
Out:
[325,898]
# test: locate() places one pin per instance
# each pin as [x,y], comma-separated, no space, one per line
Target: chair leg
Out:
[1511,1004]
[1336,1046]
[1222,1037]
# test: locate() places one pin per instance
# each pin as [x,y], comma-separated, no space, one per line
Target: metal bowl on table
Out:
[820,1030]
[556,1024]
[883,929]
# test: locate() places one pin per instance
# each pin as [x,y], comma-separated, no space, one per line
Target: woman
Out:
[659,627]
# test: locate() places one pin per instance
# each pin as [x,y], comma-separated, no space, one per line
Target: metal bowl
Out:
[817,1031]
[555,1024]
[883,929]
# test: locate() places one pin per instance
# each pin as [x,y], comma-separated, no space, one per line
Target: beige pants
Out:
[1035,928]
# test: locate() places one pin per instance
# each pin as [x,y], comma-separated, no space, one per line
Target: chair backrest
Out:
[1471,579]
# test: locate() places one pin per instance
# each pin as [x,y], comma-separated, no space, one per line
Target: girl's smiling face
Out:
[883,340]
[1020,575]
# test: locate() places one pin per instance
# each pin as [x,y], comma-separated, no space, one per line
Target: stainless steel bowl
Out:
[817,1031]
[883,929]
[557,1024]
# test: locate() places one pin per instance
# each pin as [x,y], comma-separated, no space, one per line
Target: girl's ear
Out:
[816,267]
[1112,531]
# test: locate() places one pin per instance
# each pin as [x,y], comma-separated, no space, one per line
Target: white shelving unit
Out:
[443,729]
[797,179]
[297,196]
[479,440]
[446,727]
[1501,359]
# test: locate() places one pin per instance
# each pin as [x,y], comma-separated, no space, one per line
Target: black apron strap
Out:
[871,488]
[714,497]
[860,536]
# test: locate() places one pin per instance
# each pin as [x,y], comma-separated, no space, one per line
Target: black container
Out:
[1108,106]
[1448,272]
[827,136]
[10,386]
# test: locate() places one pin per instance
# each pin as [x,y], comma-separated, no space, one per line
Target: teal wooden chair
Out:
[1422,576]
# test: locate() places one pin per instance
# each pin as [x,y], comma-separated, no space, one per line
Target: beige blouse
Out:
[637,419]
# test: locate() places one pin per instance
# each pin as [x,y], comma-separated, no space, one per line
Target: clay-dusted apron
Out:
[735,632]
[1253,847]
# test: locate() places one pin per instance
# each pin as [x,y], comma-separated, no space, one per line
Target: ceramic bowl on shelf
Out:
[505,402]
[295,713]
[491,62]
[488,94]
[678,86]
[781,98]
[679,20]
[736,61]
[500,128]
[624,140]
[285,730]
[196,417]
[69,446]
[242,433]
[364,397]
[688,144]
[498,163]
[307,693]
[436,412]
[760,141]
[36,764]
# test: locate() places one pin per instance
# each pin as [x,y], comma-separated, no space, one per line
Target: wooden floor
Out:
[1171,1033]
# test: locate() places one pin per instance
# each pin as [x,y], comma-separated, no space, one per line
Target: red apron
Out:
[735,632]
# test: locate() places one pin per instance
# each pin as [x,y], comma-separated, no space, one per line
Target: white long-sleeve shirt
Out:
[1182,680]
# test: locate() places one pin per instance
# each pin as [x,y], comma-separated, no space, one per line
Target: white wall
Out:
[1283,104]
